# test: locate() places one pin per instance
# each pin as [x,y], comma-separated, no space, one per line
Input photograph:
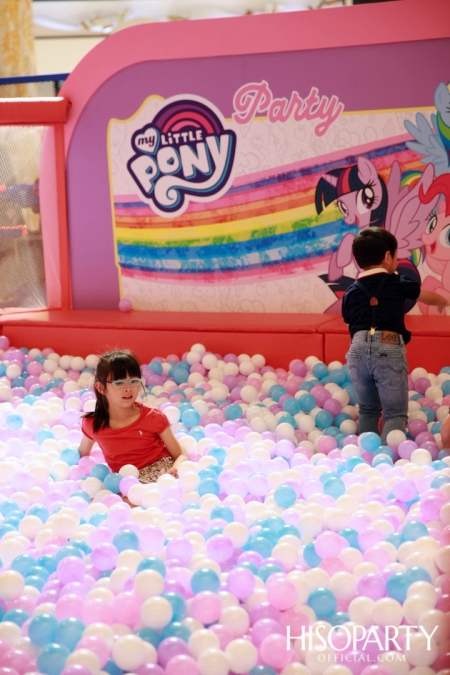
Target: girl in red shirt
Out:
[128,432]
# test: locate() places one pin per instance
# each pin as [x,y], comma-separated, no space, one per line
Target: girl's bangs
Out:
[122,365]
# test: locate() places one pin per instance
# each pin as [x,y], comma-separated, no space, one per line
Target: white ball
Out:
[156,612]
[198,347]
[247,367]
[77,363]
[209,361]
[417,373]
[395,437]
[249,393]
[213,662]
[129,652]
[259,360]
[242,656]
[92,361]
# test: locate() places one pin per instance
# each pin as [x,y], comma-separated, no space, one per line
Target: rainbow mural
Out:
[264,228]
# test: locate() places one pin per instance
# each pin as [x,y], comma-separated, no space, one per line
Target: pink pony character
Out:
[436,239]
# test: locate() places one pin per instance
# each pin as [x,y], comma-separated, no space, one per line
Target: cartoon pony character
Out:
[436,239]
[364,199]
[361,196]
[433,141]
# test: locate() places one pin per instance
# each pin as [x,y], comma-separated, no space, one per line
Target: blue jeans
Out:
[379,374]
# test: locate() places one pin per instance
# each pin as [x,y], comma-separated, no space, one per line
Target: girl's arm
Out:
[85,446]
[445,432]
[175,450]
[432,298]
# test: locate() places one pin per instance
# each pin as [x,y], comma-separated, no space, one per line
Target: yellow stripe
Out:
[239,230]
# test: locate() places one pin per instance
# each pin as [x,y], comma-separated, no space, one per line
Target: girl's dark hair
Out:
[116,365]
[327,193]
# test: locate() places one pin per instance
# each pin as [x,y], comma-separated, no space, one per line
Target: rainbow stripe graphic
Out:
[265,226]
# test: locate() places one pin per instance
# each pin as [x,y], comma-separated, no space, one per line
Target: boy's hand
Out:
[441,308]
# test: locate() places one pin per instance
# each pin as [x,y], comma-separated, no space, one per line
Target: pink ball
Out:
[372,585]
[281,593]
[206,607]
[332,406]
[263,628]
[170,648]
[326,444]
[125,305]
[297,367]
[406,448]
[70,605]
[328,544]
[224,634]
[431,503]
[369,537]
[104,555]
[422,384]
[127,608]
[17,660]
[273,652]
[241,582]
[180,549]
[71,568]
[416,426]
[182,664]
[97,610]
[404,489]
[4,342]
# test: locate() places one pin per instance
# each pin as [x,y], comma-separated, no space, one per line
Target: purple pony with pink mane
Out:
[364,199]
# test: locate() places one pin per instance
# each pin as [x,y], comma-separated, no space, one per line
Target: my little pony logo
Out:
[184,154]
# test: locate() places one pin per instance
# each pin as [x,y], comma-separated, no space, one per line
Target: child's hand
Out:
[441,308]
[173,472]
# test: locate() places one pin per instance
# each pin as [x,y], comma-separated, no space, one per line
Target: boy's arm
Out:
[445,432]
[432,298]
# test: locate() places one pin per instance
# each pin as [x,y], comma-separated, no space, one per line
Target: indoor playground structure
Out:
[192,194]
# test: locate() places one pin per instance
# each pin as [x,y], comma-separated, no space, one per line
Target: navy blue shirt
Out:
[357,312]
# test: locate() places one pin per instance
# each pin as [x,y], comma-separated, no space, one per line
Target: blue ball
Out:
[17,616]
[276,392]
[351,535]
[155,367]
[319,370]
[43,434]
[69,632]
[262,670]
[208,486]
[14,421]
[445,386]
[287,419]
[334,487]
[197,433]
[307,403]
[233,411]
[370,441]
[190,418]
[149,635]
[261,545]
[70,456]
[205,579]
[42,629]
[219,454]
[176,629]
[112,482]
[285,496]
[22,563]
[38,510]
[152,563]
[267,569]
[417,573]
[178,605]
[52,659]
[397,586]
[126,539]
[413,530]
[99,471]
[323,419]
[223,512]
[338,618]
[323,602]
[66,551]
[337,376]
[429,413]
[291,406]
[310,556]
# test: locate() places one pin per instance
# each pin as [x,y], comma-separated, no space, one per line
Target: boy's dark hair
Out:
[116,365]
[371,245]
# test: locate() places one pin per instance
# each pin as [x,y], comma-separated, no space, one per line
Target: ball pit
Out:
[283,522]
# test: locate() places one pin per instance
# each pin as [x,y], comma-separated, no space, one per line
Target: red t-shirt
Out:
[138,443]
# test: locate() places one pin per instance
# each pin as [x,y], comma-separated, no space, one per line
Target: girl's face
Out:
[356,206]
[123,393]
[436,237]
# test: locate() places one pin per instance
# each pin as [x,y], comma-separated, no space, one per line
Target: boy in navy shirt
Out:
[373,306]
